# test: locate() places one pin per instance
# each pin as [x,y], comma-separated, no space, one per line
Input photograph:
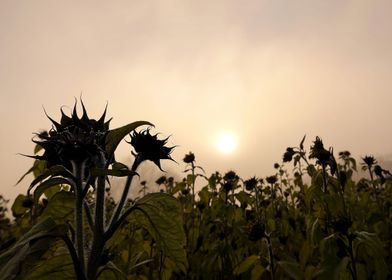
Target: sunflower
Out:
[149,147]
[74,140]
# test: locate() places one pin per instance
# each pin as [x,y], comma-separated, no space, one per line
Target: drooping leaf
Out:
[115,136]
[112,172]
[327,244]
[119,166]
[257,272]
[37,148]
[60,207]
[161,215]
[37,168]
[50,192]
[301,145]
[190,179]
[40,189]
[24,175]
[334,268]
[246,264]
[30,243]
[17,208]
[204,195]
[243,197]
[178,187]
[12,262]
[374,248]
[57,170]
[58,267]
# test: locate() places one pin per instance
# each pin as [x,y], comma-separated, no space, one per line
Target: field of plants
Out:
[315,218]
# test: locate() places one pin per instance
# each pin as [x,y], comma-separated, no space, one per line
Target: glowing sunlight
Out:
[226,143]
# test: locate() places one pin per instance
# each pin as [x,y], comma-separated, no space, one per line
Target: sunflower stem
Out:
[121,203]
[98,242]
[78,170]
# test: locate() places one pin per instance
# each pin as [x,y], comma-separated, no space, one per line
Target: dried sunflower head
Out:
[149,147]
[318,152]
[251,184]
[74,140]
[189,158]
[369,161]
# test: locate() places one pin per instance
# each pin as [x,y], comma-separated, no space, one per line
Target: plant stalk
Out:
[78,170]
[98,242]
[271,257]
[121,203]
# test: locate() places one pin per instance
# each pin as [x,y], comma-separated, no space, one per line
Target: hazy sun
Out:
[226,143]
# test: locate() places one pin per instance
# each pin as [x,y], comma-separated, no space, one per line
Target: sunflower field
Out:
[317,217]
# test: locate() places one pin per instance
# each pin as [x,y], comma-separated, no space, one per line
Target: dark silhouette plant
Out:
[78,158]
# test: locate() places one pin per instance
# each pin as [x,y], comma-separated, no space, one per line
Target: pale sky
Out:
[267,72]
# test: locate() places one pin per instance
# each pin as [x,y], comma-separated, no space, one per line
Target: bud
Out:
[251,184]
[288,155]
[189,158]
[271,179]
[149,147]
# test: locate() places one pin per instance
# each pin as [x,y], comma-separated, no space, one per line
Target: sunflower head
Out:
[288,155]
[74,139]
[369,161]
[318,152]
[251,184]
[230,176]
[271,179]
[189,158]
[149,147]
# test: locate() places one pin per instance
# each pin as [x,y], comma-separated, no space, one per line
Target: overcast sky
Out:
[266,71]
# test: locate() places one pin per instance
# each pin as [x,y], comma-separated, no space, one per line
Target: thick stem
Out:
[374,188]
[79,229]
[372,178]
[193,204]
[193,184]
[78,170]
[258,214]
[98,230]
[324,178]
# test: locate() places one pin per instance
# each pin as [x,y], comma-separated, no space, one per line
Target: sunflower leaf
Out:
[115,136]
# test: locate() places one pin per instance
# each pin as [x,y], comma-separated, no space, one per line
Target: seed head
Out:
[149,147]
[288,155]
[189,158]
[230,176]
[271,179]
[318,152]
[369,161]
[74,139]
[251,184]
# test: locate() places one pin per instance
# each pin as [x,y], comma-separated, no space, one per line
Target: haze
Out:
[266,71]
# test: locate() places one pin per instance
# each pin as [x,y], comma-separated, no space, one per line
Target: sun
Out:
[226,143]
